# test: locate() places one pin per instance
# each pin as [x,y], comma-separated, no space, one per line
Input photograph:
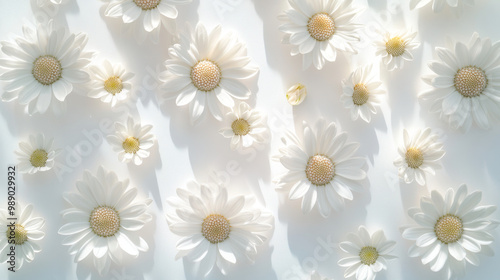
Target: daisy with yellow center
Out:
[245,127]
[451,231]
[36,155]
[104,220]
[132,141]
[362,93]
[396,48]
[322,170]
[111,83]
[217,230]
[319,29]
[24,235]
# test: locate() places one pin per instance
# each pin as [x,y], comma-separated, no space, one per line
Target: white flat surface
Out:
[183,152]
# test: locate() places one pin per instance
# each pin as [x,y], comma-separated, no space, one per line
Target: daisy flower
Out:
[451,230]
[318,29]
[36,155]
[296,94]
[132,141]
[419,155]
[103,220]
[217,230]
[43,66]
[438,5]
[396,48]
[23,234]
[466,83]
[369,254]
[110,83]
[146,17]
[316,276]
[362,92]
[245,127]
[321,168]
[206,71]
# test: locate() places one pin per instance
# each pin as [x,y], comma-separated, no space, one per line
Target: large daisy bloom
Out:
[466,83]
[132,141]
[369,254]
[110,83]
[103,220]
[245,127]
[146,17]
[217,230]
[451,230]
[362,93]
[23,233]
[43,66]
[321,168]
[438,5]
[318,29]
[396,48]
[419,155]
[206,71]
[36,155]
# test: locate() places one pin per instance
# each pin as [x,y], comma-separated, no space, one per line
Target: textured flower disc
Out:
[131,145]
[113,85]
[368,255]
[320,170]
[206,75]
[414,157]
[321,26]
[449,229]
[215,228]
[360,94]
[147,4]
[240,127]
[47,70]
[20,234]
[470,81]
[104,221]
[39,158]
[395,46]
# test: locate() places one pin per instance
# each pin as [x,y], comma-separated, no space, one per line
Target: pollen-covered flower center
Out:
[46,70]
[368,255]
[395,46]
[104,221]
[113,85]
[215,228]
[147,4]
[449,228]
[320,170]
[206,75]
[240,127]
[39,158]
[321,26]
[470,81]
[360,94]
[414,157]
[20,234]
[131,145]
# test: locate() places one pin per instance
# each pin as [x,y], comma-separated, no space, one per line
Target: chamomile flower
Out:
[438,5]
[110,83]
[396,48]
[36,155]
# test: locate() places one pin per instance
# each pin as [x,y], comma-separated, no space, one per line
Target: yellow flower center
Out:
[205,75]
[215,228]
[470,81]
[104,221]
[320,170]
[131,145]
[46,70]
[360,94]
[414,157]
[113,85]
[147,4]
[240,127]
[368,255]
[39,158]
[449,228]
[20,234]
[395,46]
[321,26]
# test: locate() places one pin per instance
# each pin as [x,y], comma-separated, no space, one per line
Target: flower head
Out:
[110,83]
[396,48]
[36,155]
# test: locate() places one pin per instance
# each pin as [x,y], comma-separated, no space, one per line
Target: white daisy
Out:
[103,220]
[245,127]
[369,254]
[316,276]
[132,141]
[362,93]
[36,155]
[451,230]
[438,5]
[23,234]
[206,70]
[466,83]
[43,66]
[110,83]
[217,230]
[318,29]
[418,155]
[396,48]
[321,168]
[146,17]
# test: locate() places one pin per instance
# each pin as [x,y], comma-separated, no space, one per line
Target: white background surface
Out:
[183,152]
